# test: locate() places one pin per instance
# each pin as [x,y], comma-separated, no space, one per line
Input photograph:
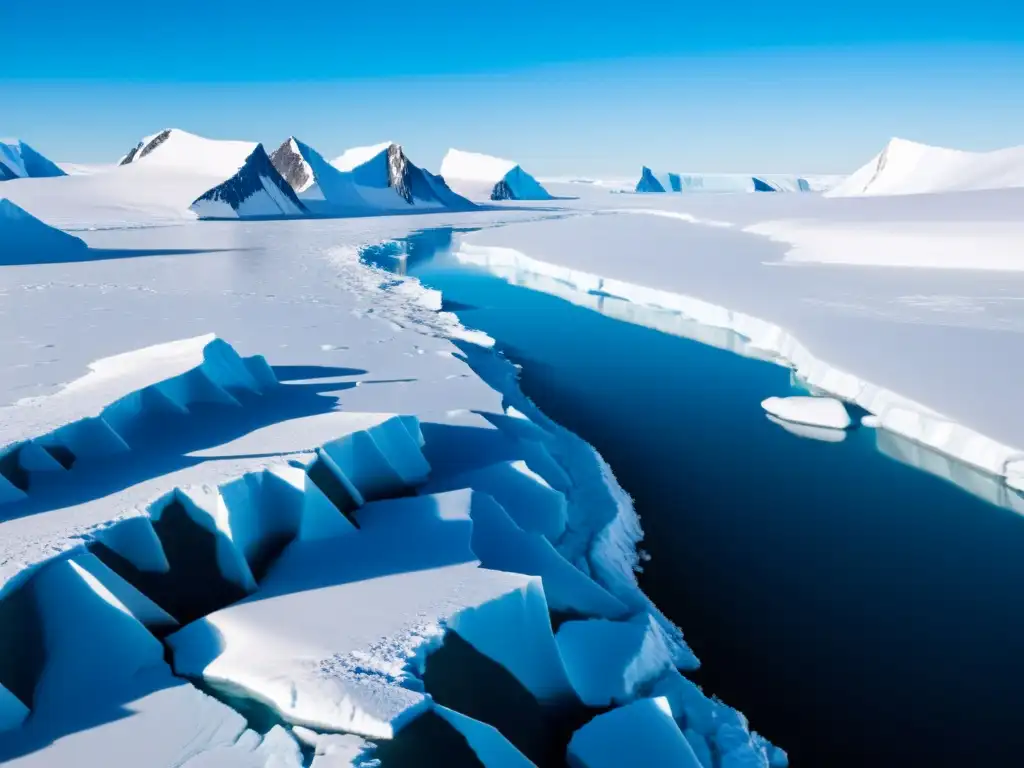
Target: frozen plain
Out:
[296,293]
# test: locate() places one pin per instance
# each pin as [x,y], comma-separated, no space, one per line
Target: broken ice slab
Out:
[641,733]
[612,662]
[710,722]
[535,506]
[120,388]
[392,587]
[100,692]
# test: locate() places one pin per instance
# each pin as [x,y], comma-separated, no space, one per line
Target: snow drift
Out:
[19,161]
[388,181]
[24,238]
[907,168]
[493,178]
[719,182]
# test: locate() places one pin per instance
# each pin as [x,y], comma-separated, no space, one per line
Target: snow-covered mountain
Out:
[719,182]
[479,176]
[19,161]
[388,181]
[24,237]
[256,190]
[175,148]
[907,167]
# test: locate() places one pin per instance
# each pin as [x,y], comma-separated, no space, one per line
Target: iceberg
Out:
[812,411]
[486,177]
[907,168]
[25,239]
[651,181]
[19,161]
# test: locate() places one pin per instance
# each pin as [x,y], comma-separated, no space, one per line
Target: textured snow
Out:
[25,239]
[907,167]
[641,733]
[813,411]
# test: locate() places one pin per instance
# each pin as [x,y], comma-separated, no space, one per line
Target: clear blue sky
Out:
[563,86]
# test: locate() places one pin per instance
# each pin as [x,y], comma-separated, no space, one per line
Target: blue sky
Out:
[564,87]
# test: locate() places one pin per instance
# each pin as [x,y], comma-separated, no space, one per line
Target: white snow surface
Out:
[928,351]
[908,167]
[813,411]
[186,151]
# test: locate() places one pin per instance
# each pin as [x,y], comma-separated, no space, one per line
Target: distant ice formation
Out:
[492,178]
[23,237]
[907,168]
[19,161]
[256,190]
[388,181]
[368,181]
[719,182]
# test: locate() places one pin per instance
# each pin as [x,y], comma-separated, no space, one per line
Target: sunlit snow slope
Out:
[906,168]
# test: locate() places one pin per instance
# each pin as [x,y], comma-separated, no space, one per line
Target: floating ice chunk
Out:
[493,749]
[813,411]
[610,662]
[641,734]
[871,421]
[821,434]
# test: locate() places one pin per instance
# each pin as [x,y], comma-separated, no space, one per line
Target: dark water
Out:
[859,611]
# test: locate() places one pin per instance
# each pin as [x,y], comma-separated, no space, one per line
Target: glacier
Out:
[485,177]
